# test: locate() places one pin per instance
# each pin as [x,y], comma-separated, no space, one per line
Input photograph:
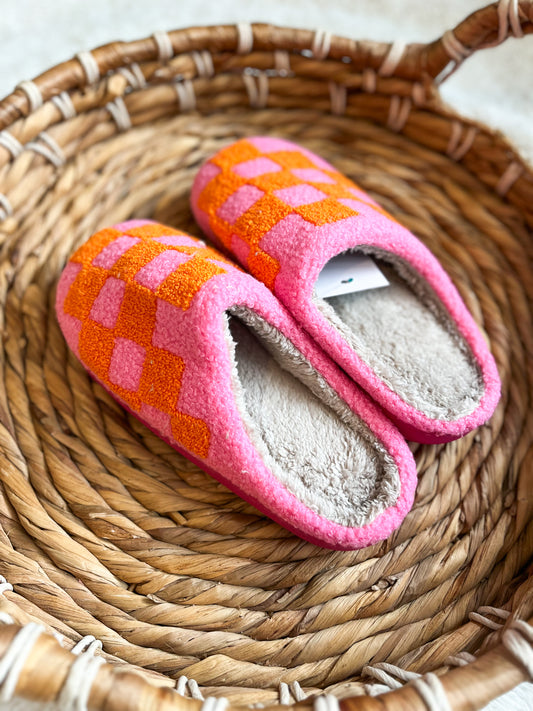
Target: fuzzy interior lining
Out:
[306,434]
[407,337]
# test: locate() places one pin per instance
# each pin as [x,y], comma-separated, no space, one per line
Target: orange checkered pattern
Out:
[118,316]
[271,186]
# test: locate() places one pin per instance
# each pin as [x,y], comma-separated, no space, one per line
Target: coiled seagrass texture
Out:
[104,529]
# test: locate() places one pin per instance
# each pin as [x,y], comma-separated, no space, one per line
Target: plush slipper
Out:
[293,221]
[207,357]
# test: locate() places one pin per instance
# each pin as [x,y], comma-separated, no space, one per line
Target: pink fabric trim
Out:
[240,249]
[201,217]
[71,328]
[114,251]
[274,242]
[312,175]
[211,170]
[352,204]
[127,364]
[168,331]
[300,195]
[267,144]
[106,306]
[255,167]
[155,272]
[219,262]
[131,224]
[70,325]
[159,421]
[238,203]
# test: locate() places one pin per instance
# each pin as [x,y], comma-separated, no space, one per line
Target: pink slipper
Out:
[207,357]
[412,345]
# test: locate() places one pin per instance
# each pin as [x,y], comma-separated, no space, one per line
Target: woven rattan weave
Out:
[104,529]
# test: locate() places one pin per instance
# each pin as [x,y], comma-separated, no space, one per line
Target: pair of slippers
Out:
[296,401]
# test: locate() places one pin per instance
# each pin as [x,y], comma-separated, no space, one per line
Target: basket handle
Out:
[487,27]
[46,666]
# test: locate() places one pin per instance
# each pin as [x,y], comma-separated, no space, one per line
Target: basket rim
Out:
[482,29]
[410,74]
[492,674]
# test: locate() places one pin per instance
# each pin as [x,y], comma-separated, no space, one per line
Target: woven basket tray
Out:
[107,531]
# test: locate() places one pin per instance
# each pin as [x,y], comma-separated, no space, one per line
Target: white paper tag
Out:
[347,273]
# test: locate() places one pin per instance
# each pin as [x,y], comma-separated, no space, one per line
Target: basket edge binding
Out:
[78,678]
[426,66]
[484,28]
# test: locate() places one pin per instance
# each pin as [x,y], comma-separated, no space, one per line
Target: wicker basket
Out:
[106,531]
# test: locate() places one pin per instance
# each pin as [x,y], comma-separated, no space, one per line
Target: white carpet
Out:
[494,86]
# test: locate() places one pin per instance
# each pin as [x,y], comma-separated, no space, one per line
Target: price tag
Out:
[347,273]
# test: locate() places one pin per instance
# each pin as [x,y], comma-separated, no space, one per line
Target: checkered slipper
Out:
[205,356]
[306,231]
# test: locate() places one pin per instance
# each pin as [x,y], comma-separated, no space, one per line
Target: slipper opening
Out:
[309,438]
[406,335]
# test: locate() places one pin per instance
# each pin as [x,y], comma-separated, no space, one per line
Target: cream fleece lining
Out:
[407,337]
[307,436]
